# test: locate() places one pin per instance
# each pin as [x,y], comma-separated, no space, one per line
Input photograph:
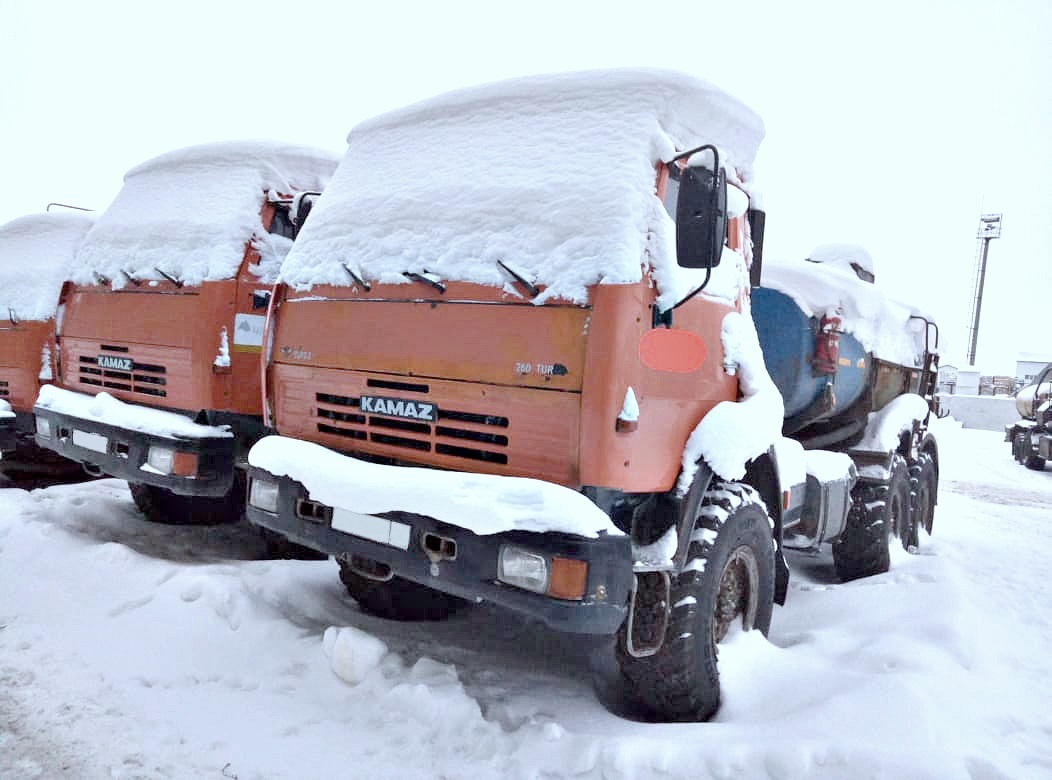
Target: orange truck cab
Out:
[161,323]
[492,355]
[519,354]
[36,253]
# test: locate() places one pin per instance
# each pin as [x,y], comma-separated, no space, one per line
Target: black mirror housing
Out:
[260,299]
[701,218]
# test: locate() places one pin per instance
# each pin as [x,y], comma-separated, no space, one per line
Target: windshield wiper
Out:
[531,288]
[169,277]
[425,279]
[11,316]
[356,279]
[132,279]
[100,280]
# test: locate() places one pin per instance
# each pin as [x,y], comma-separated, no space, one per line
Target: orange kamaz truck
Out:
[511,359]
[160,325]
[36,254]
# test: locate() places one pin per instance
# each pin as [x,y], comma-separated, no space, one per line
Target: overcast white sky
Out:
[892,124]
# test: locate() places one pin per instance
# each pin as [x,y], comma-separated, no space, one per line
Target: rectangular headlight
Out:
[43,427]
[523,569]
[161,459]
[263,495]
[170,461]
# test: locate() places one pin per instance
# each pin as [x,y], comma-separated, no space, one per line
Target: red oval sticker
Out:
[679,351]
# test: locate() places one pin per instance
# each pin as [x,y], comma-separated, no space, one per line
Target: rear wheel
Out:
[164,506]
[923,490]
[1018,445]
[899,506]
[395,598]
[728,579]
[877,511]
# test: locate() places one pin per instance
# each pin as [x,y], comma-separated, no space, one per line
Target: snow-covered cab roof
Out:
[551,175]
[190,212]
[36,255]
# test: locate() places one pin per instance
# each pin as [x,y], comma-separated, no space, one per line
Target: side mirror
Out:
[701,218]
[304,204]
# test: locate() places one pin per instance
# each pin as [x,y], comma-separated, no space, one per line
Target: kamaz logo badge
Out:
[396,407]
[117,363]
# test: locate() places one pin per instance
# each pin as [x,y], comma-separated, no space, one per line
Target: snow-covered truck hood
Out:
[552,175]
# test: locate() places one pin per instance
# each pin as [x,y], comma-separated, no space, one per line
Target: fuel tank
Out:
[1030,398]
[788,338]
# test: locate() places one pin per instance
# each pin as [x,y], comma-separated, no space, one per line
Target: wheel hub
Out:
[737,594]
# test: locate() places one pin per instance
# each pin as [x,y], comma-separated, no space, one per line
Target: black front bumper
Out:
[8,435]
[472,574]
[123,453]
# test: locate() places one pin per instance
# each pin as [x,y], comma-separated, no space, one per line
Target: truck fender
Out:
[761,474]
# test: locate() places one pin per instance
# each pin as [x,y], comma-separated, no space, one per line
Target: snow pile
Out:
[480,503]
[5,409]
[131,649]
[352,653]
[191,212]
[105,408]
[883,326]
[272,250]
[552,175]
[44,243]
[736,432]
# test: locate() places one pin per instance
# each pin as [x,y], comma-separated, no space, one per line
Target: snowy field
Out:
[130,650]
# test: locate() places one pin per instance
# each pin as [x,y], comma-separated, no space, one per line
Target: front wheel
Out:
[395,598]
[164,506]
[728,579]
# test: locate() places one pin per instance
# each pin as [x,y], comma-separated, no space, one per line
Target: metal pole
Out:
[978,302]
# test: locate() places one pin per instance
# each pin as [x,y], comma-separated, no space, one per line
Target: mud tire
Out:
[163,506]
[398,598]
[924,486]
[1018,445]
[863,548]
[280,547]
[729,576]
[900,504]
[1034,462]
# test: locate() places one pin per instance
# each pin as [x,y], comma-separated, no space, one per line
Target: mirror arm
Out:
[696,290]
[687,154]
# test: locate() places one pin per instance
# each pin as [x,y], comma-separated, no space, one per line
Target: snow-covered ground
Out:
[130,650]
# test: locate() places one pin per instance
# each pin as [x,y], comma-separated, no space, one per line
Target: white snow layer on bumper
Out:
[480,503]
[106,409]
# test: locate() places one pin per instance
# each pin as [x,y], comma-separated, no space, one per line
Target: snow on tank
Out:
[190,212]
[551,175]
[833,282]
[45,245]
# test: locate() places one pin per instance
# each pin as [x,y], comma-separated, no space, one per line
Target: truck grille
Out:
[144,378]
[457,434]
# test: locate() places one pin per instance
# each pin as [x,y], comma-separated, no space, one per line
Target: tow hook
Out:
[438,549]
